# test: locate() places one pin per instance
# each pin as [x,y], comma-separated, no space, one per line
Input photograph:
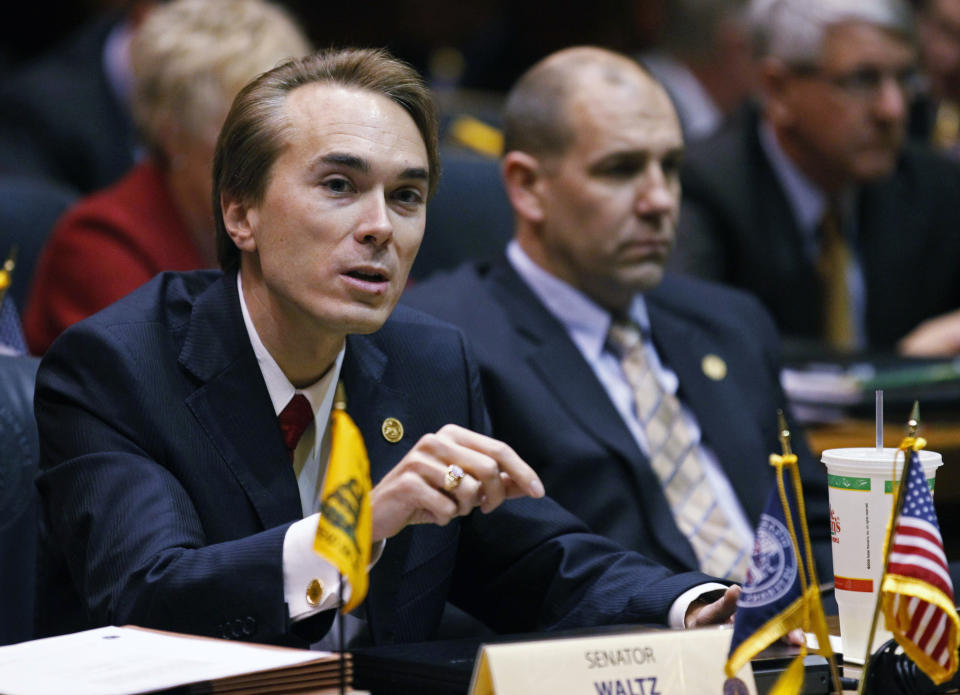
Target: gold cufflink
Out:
[714,367]
[314,592]
[392,430]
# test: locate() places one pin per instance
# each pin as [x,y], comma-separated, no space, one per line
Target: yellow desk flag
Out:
[344,531]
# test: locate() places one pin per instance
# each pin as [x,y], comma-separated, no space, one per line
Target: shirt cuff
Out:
[305,573]
[678,610]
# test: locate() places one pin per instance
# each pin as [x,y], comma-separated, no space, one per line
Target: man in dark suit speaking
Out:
[172,497]
[646,402]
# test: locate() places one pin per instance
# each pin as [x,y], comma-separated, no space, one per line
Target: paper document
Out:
[121,660]
[814,643]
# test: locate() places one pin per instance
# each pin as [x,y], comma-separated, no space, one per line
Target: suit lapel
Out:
[561,366]
[716,404]
[232,404]
[369,402]
[557,361]
[775,241]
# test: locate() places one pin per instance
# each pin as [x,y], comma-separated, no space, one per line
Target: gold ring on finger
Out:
[452,478]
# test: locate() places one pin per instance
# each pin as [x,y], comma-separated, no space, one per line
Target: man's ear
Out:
[239,220]
[775,88]
[523,178]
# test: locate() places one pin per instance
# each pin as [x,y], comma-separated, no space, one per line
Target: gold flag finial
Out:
[340,397]
[914,422]
[784,433]
[6,271]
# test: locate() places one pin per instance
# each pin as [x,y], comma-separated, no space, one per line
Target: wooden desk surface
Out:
[942,436]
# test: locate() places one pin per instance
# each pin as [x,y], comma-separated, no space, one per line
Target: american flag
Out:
[918,593]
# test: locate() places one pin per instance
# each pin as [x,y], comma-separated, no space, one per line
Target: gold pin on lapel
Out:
[392,430]
[714,367]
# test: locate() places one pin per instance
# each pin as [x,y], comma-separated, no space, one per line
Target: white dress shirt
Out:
[301,564]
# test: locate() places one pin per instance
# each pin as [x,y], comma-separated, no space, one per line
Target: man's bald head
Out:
[536,115]
[591,167]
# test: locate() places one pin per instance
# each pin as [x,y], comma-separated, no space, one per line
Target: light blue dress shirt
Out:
[588,324]
[808,204]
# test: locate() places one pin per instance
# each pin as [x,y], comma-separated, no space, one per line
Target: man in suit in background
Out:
[168,492]
[814,202]
[591,166]
[935,111]
[704,59]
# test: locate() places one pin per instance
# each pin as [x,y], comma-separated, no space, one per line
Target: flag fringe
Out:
[790,681]
[765,635]
[900,624]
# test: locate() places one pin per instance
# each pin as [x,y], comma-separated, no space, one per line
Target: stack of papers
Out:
[827,392]
[127,660]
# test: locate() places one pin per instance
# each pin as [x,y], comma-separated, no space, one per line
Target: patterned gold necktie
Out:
[837,316]
[675,457]
[946,126]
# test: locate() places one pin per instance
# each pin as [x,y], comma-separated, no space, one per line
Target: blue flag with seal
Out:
[781,591]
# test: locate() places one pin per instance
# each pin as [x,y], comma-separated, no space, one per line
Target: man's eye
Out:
[338,185]
[623,169]
[409,196]
[671,166]
[864,79]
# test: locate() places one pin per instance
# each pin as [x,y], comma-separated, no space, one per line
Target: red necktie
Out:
[294,419]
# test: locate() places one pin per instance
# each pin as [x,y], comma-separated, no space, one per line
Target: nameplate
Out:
[646,662]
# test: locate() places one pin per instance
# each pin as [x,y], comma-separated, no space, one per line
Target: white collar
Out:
[806,199]
[319,393]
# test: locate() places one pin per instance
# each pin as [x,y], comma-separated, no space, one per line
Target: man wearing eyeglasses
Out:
[813,200]
[935,113]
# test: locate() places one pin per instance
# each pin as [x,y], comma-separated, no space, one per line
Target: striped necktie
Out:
[676,458]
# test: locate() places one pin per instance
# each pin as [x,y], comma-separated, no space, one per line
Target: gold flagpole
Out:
[912,425]
[787,451]
[340,403]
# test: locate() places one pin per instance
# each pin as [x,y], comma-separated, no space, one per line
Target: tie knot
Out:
[624,337]
[295,417]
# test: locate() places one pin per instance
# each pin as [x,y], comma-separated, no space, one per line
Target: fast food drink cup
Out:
[861,493]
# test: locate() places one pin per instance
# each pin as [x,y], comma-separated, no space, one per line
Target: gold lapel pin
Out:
[714,367]
[392,430]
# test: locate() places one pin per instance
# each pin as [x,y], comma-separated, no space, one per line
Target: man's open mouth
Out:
[368,275]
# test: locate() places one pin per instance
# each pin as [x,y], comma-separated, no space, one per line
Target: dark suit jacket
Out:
[19,452]
[737,227]
[167,492]
[61,120]
[545,401]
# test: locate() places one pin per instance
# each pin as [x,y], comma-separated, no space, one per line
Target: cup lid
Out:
[870,460]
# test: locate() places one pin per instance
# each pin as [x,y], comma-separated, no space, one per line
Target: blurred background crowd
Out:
[821,172]
[76,118]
